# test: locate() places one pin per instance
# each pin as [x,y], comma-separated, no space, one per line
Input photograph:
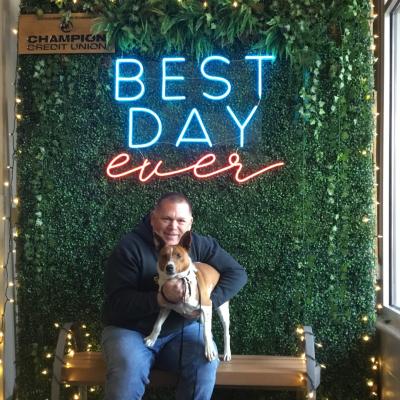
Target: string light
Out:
[45,372]
[370,383]
[14,31]
[235,4]
[205,4]
[18,116]
[365,219]
[18,100]
[48,355]
[56,324]
[366,338]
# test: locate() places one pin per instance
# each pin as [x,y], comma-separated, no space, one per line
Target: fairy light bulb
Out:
[299,331]
[56,324]
[6,184]
[14,31]
[18,100]
[45,372]
[365,219]
[48,355]
[18,116]
[370,382]
[366,338]
[365,318]
[235,4]
[205,4]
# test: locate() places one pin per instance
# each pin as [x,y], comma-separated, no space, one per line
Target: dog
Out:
[199,280]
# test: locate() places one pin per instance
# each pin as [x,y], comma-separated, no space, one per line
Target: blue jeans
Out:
[129,362]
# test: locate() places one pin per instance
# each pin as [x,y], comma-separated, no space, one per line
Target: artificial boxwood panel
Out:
[304,232]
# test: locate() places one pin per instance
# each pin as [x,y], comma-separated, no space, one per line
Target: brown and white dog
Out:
[199,280]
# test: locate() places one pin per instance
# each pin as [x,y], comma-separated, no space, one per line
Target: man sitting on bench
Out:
[132,304]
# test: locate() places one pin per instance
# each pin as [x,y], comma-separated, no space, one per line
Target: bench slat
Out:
[89,368]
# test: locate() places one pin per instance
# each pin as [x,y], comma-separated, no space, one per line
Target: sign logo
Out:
[45,35]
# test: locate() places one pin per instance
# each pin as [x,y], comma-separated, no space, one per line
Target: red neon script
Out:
[118,167]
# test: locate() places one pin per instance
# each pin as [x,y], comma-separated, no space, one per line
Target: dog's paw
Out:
[227,356]
[149,341]
[210,353]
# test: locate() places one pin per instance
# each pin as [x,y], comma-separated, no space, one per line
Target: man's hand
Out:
[173,291]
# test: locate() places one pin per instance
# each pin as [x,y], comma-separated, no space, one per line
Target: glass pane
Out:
[395,124]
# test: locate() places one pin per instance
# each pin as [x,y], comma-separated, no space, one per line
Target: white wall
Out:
[9,10]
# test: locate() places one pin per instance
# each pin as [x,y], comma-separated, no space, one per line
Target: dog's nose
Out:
[170,268]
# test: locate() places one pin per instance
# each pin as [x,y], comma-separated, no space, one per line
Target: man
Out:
[132,304]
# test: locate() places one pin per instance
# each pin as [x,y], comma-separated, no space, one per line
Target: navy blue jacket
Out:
[131,289]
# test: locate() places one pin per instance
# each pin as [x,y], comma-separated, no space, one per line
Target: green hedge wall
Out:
[305,233]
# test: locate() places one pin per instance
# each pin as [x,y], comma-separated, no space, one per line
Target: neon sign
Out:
[130,86]
[119,167]
[215,85]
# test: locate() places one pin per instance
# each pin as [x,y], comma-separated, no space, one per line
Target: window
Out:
[391,154]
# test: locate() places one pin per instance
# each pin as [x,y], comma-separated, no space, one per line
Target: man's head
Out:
[172,217]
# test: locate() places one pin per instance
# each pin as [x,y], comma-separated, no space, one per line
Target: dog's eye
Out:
[178,255]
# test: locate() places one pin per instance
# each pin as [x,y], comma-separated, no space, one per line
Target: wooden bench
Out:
[302,374]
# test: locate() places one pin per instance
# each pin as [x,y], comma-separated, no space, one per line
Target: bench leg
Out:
[82,392]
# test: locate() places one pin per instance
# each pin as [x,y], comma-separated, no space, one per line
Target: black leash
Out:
[183,326]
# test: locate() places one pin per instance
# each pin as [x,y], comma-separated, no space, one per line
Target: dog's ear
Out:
[158,242]
[186,239]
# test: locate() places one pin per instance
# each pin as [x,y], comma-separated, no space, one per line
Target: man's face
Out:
[171,220]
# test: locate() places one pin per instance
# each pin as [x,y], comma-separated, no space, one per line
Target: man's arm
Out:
[233,275]
[124,299]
